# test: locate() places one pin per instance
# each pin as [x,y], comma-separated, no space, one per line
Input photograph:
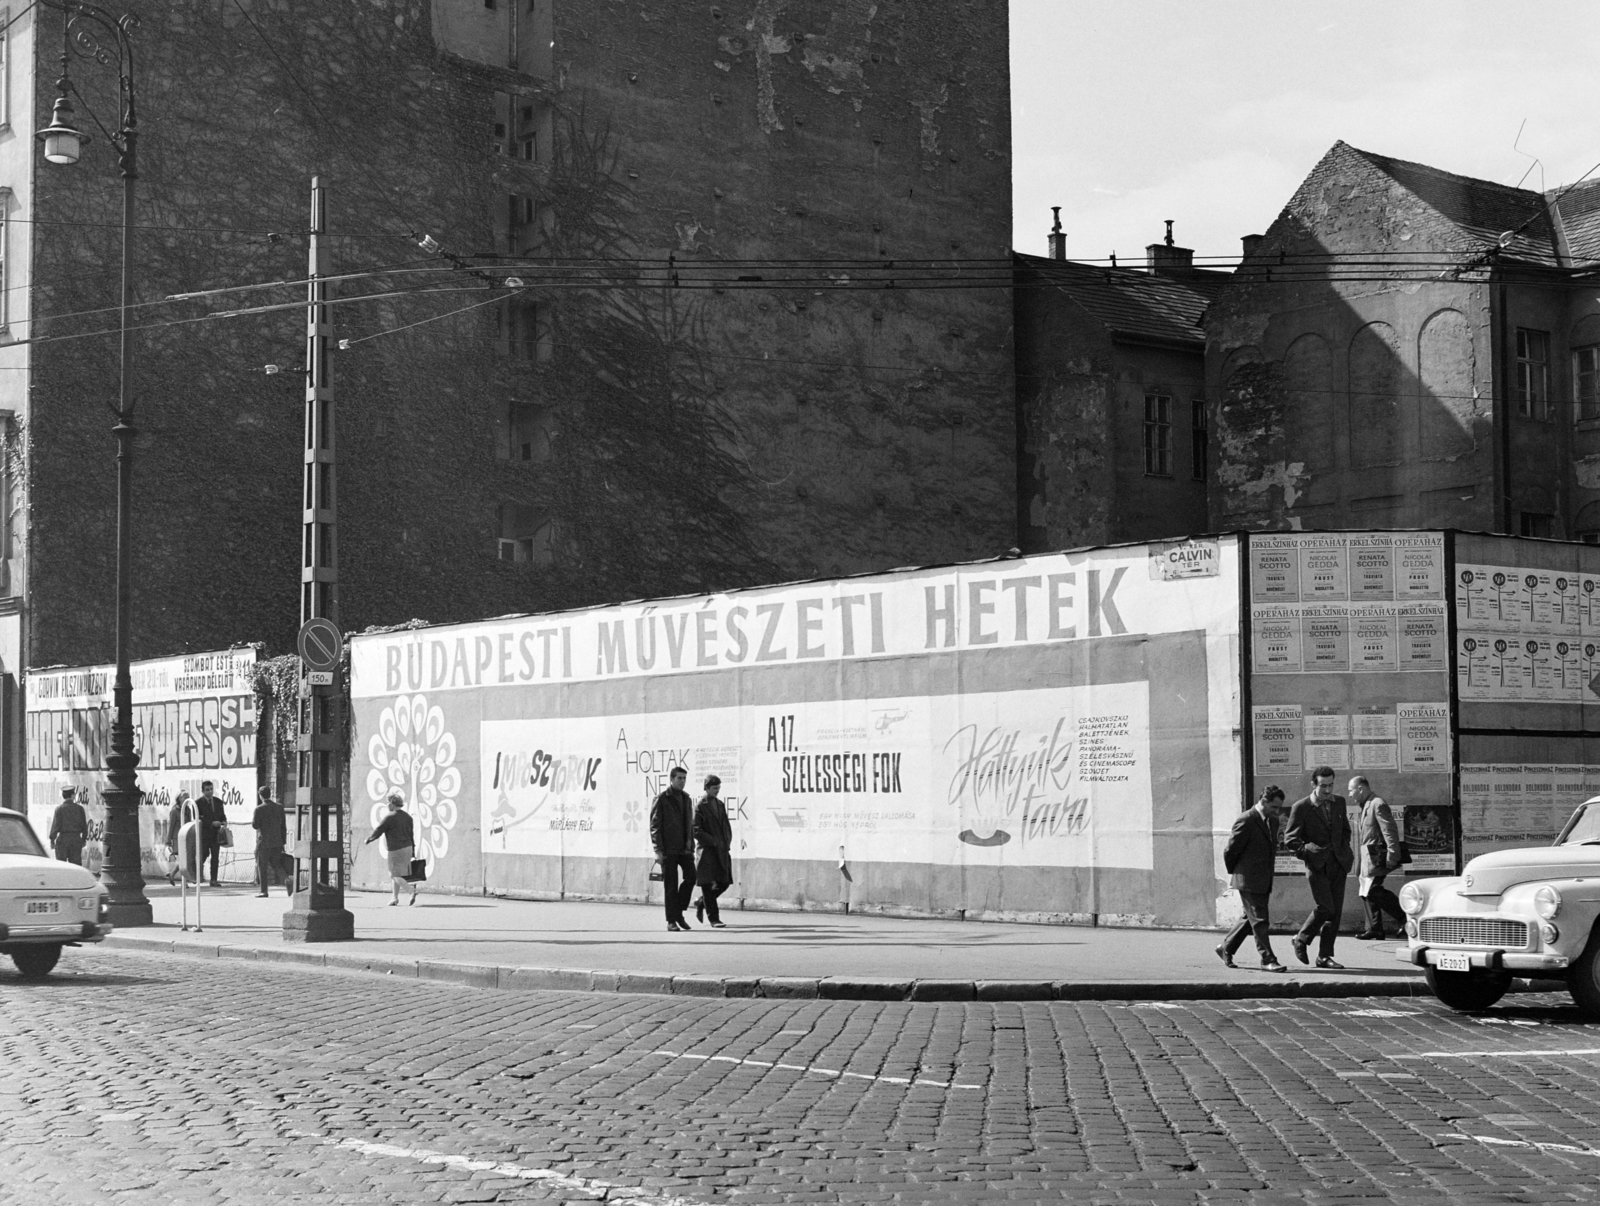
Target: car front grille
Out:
[1475,931]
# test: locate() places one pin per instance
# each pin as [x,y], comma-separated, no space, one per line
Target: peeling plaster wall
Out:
[1149,507]
[1080,405]
[1353,403]
[878,428]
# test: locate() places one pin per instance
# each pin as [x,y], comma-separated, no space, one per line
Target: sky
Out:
[1211,112]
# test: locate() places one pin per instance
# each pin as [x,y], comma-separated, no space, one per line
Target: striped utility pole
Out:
[318,914]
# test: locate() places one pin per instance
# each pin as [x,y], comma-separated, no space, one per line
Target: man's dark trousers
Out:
[210,847]
[1327,898]
[675,894]
[1255,921]
[1378,901]
[269,866]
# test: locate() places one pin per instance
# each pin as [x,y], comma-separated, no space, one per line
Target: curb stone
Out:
[836,988]
[864,988]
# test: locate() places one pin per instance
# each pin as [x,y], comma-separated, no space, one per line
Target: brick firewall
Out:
[698,442]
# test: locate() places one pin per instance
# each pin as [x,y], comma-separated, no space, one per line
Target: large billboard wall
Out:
[194,719]
[1051,737]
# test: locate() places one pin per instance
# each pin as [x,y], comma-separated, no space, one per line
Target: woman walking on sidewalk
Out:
[400,840]
[714,835]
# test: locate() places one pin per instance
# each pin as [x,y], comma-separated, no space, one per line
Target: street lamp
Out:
[96,33]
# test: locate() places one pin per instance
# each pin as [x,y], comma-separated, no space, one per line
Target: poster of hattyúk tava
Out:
[1027,736]
[194,719]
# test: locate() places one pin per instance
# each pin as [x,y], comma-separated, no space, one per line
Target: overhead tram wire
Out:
[871,276]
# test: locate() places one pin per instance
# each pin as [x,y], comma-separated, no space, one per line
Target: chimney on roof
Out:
[1058,237]
[1251,244]
[1168,259]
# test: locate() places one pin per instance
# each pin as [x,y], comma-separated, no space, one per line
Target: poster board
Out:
[194,719]
[1349,668]
[1032,737]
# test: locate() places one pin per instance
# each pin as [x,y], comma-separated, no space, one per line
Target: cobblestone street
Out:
[130,1078]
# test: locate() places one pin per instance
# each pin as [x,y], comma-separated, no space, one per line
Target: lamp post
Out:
[95,33]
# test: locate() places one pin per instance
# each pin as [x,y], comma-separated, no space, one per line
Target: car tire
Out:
[1583,977]
[36,962]
[1468,991]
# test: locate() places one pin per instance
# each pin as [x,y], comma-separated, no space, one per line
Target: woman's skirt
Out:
[400,862]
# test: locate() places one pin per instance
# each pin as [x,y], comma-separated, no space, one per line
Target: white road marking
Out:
[1380,1013]
[1502,1054]
[1571,1149]
[1378,1075]
[588,1186]
[761,1063]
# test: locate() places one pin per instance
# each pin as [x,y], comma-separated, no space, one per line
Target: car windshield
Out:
[17,837]
[1584,828]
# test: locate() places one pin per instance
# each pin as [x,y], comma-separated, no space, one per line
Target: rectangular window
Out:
[1198,439]
[1586,381]
[1542,526]
[5,68]
[5,259]
[524,332]
[1533,373]
[1157,435]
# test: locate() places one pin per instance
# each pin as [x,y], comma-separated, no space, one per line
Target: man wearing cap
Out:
[69,828]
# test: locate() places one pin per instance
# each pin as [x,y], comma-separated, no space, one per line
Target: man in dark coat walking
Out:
[1251,858]
[69,828]
[672,836]
[213,816]
[272,831]
[714,835]
[1319,835]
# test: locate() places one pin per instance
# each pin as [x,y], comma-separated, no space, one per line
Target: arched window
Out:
[1586,527]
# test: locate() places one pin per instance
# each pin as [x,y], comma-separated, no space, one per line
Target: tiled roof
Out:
[1130,302]
[1481,209]
[1579,207]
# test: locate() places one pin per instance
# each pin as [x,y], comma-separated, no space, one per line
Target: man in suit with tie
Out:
[1251,857]
[1319,835]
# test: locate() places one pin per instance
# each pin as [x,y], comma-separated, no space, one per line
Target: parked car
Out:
[1529,912]
[44,904]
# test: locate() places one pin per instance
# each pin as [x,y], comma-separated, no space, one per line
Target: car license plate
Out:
[1448,962]
[43,906]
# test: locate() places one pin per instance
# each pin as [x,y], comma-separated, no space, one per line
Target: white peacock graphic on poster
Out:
[413,754]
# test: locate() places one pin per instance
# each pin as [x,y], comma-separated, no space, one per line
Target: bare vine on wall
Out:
[644,471]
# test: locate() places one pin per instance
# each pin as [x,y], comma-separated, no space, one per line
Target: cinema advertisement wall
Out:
[1051,737]
[194,719]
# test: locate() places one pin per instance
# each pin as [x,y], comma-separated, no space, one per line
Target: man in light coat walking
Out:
[1378,840]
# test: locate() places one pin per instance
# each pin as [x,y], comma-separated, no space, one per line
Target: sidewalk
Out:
[625,948]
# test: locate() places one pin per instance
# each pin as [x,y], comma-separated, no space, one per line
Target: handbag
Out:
[224,835]
[419,871]
[1402,853]
[656,873]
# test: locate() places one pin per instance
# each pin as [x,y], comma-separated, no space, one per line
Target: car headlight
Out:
[1413,899]
[1548,933]
[88,902]
[1546,902]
